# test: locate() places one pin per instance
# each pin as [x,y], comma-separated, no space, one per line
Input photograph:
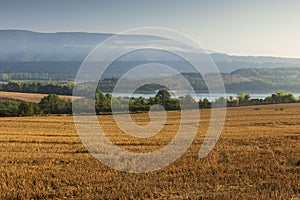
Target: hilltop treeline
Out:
[52,104]
[249,80]
[60,88]
[46,70]
[38,87]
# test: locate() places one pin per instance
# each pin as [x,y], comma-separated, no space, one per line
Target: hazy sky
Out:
[250,27]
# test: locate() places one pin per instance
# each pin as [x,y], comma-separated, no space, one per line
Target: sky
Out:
[247,27]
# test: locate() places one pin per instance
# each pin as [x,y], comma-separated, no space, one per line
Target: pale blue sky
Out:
[248,27]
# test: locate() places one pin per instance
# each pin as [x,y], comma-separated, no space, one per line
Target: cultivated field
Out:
[257,157]
[29,97]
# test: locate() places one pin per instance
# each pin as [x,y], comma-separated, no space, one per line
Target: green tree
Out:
[220,102]
[205,103]
[163,97]
[247,97]
[8,108]
[243,98]
[52,104]
[187,101]
[240,96]
[25,109]
[103,102]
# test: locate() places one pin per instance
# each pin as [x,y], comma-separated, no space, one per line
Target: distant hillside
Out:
[254,80]
[18,46]
[28,46]
[274,76]
[228,63]
[27,55]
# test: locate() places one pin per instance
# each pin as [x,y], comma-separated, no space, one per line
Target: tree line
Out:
[102,103]
[54,87]
[108,85]
[51,104]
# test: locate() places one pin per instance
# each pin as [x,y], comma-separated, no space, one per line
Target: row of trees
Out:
[52,104]
[243,99]
[60,88]
[107,86]
[103,102]
[38,87]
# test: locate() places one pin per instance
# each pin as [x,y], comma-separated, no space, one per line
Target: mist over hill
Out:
[28,46]
[27,55]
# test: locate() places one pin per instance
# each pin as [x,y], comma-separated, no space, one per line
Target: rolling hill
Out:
[19,46]
[27,55]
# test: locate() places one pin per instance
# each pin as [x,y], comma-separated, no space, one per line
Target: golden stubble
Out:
[256,157]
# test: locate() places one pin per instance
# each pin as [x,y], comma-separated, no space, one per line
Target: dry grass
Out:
[257,157]
[29,97]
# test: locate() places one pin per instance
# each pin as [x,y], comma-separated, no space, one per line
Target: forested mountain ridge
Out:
[31,56]
[27,46]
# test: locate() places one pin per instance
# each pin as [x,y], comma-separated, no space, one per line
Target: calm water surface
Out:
[198,96]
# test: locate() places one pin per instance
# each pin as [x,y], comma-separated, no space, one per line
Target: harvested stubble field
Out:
[257,157]
[29,97]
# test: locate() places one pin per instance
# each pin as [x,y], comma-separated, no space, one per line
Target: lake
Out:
[198,96]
